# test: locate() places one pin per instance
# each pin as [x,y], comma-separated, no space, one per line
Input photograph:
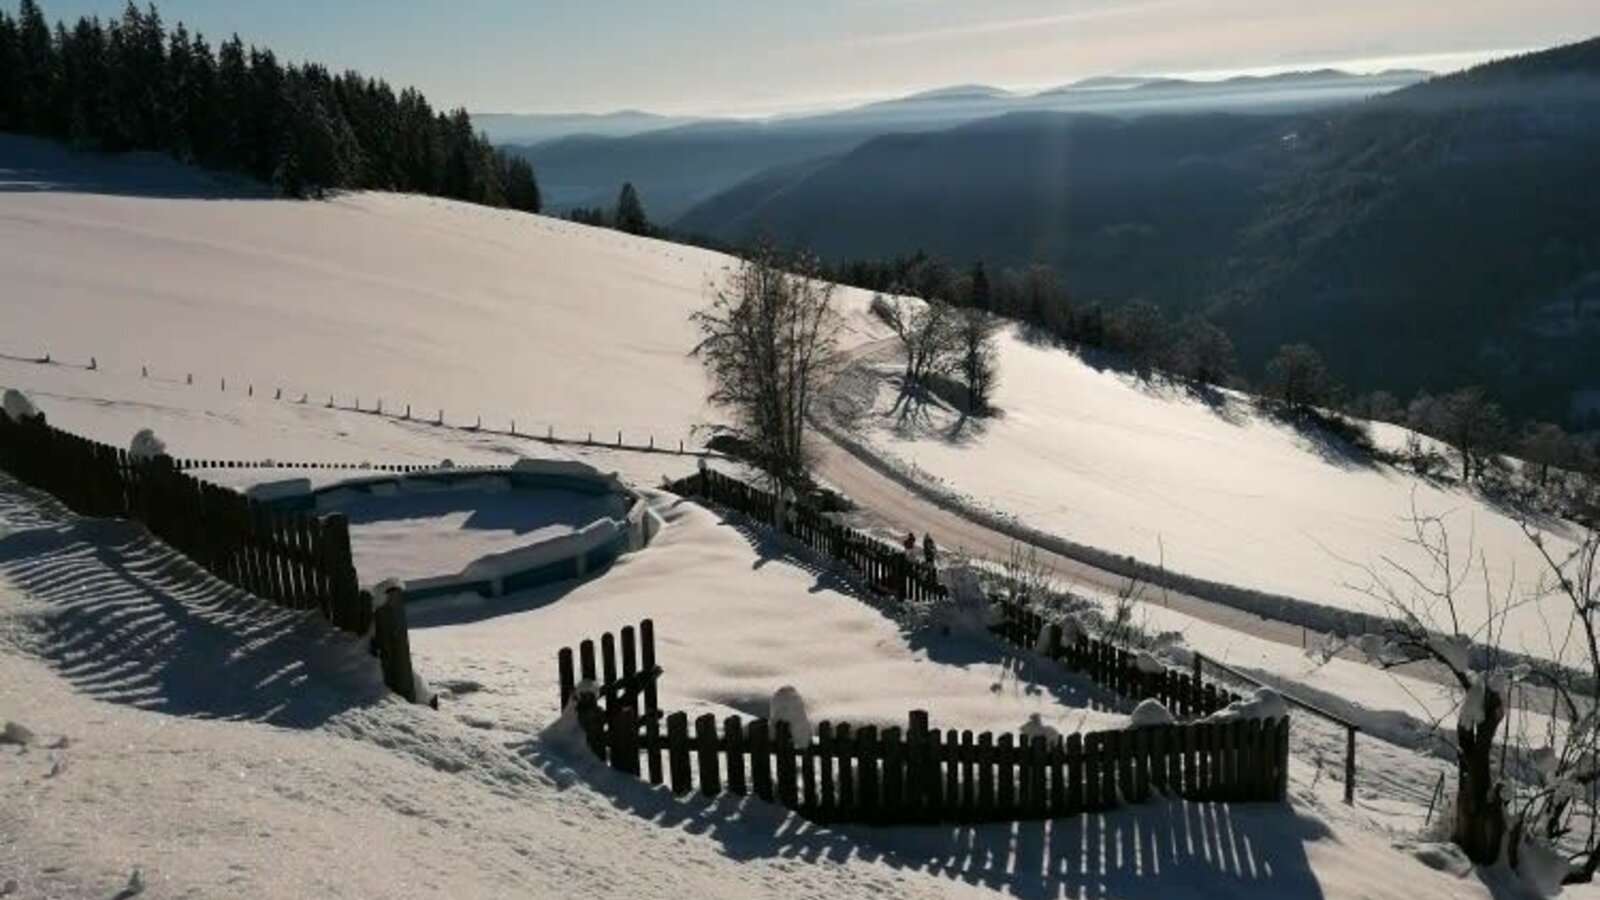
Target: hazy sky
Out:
[754,56]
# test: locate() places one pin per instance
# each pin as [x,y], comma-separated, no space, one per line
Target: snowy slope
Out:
[371,296]
[1213,489]
[223,760]
[315,785]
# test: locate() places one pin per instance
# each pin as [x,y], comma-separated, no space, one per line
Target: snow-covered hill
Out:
[322,787]
[403,299]
[1209,487]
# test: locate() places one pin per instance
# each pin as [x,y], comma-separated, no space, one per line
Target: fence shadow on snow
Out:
[126,620]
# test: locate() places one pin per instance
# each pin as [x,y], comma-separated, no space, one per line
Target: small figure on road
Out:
[930,550]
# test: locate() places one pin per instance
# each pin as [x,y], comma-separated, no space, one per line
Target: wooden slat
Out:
[784,752]
[733,746]
[759,738]
[706,747]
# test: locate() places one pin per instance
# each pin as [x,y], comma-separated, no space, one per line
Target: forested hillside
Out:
[132,84]
[1438,236]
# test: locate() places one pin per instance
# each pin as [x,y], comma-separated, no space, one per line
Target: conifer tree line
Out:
[130,84]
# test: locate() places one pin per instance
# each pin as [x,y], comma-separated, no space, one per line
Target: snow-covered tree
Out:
[1527,816]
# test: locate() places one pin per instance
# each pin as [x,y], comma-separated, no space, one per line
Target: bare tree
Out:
[1546,445]
[1467,420]
[928,333]
[767,339]
[1297,378]
[1425,623]
[1568,768]
[980,358]
[1535,810]
[1027,576]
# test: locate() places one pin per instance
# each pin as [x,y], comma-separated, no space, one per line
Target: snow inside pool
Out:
[411,536]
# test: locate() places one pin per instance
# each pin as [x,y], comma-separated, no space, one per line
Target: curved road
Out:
[891,504]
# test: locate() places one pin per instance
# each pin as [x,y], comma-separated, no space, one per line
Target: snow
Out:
[18,407]
[1036,728]
[1265,703]
[1150,712]
[736,618]
[377,297]
[1541,867]
[445,531]
[1149,663]
[1473,705]
[201,738]
[16,733]
[145,445]
[789,707]
[1209,486]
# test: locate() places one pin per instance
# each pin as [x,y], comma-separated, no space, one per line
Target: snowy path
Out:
[891,504]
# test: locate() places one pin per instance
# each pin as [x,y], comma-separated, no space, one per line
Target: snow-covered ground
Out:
[1209,487]
[223,748]
[737,616]
[403,299]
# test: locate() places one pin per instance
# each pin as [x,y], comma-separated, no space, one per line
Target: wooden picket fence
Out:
[1184,694]
[885,567]
[919,774]
[297,561]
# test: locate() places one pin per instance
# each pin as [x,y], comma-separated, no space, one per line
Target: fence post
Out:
[623,732]
[593,724]
[827,796]
[922,769]
[647,660]
[1350,766]
[344,608]
[705,736]
[678,752]
[759,739]
[868,800]
[783,747]
[394,644]
[844,755]
[733,746]
[1281,787]
[568,681]
[652,750]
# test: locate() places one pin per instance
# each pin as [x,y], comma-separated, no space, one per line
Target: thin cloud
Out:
[975,29]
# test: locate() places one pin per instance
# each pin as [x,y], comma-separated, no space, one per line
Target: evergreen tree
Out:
[522,189]
[629,216]
[129,84]
[10,72]
[36,66]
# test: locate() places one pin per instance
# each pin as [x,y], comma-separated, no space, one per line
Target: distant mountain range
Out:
[536,128]
[677,164]
[1439,234]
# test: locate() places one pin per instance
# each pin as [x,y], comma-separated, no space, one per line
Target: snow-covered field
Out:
[1211,489]
[403,299]
[221,748]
